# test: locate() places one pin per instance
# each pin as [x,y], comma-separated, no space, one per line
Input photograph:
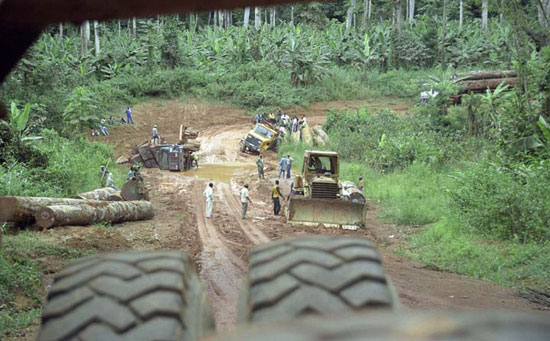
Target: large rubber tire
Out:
[127,296]
[321,275]
[403,326]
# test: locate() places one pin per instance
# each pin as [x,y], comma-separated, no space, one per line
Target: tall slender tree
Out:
[349,16]
[412,4]
[134,26]
[367,10]
[461,13]
[543,7]
[96,38]
[60,31]
[398,10]
[85,36]
[485,14]
[257,17]
[246,16]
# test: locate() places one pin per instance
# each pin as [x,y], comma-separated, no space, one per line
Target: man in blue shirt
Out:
[129,115]
[283,164]
[289,165]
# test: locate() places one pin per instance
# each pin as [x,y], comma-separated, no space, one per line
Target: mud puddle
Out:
[222,172]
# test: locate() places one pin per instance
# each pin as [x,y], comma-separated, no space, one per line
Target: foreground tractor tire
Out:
[127,296]
[403,326]
[321,275]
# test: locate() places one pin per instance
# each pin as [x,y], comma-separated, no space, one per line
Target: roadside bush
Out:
[386,141]
[509,203]
[72,167]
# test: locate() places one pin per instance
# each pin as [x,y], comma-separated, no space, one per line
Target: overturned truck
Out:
[174,157]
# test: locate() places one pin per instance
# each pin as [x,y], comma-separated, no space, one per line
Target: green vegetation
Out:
[471,178]
[24,259]
[54,166]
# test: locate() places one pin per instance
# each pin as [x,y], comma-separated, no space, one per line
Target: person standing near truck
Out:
[156,139]
[260,164]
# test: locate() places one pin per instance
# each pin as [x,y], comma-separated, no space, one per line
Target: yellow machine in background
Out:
[261,137]
[319,197]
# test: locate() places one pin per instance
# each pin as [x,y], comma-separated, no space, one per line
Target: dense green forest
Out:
[470,180]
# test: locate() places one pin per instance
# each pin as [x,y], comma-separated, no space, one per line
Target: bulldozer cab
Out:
[317,197]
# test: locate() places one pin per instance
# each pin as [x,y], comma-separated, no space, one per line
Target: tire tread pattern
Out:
[316,275]
[127,296]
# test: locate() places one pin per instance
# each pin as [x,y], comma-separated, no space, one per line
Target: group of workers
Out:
[103,123]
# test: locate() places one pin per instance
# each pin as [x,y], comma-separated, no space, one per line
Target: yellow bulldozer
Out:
[319,197]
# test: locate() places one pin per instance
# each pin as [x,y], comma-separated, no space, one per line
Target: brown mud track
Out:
[220,245]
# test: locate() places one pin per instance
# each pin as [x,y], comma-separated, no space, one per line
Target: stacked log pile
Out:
[98,194]
[51,212]
[480,81]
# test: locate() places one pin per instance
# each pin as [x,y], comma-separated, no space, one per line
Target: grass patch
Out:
[21,277]
[446,246]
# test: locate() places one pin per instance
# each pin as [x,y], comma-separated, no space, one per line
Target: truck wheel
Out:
[130,296]
[412,325]
[319,275]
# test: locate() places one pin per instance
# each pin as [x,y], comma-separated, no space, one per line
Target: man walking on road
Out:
[260,164]
[209,195]
[275,196]
[129,116]
[289,165]
[245,199]
[283,164]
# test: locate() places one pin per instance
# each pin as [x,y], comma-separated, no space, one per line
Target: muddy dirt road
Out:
[226,239]
[220,245]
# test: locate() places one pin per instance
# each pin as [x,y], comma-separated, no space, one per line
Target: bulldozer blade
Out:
[338,213]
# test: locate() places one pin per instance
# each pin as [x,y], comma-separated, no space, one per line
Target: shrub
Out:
[508,203]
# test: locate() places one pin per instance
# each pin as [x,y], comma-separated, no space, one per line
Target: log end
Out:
[45,217]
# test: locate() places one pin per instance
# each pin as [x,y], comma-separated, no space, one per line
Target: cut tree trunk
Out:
[475,75]
[23,209]
[98,194]
[117,196]
[112,212]
[484,84]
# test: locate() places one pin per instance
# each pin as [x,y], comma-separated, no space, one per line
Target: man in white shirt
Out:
[209,195]
[245,199]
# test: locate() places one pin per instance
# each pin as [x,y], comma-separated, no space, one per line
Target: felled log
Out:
[112,212]
[121,160]
[117,196]
[23,209]
[131,191]
[484,84]
[476,75]
[192,145]
[98,194]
